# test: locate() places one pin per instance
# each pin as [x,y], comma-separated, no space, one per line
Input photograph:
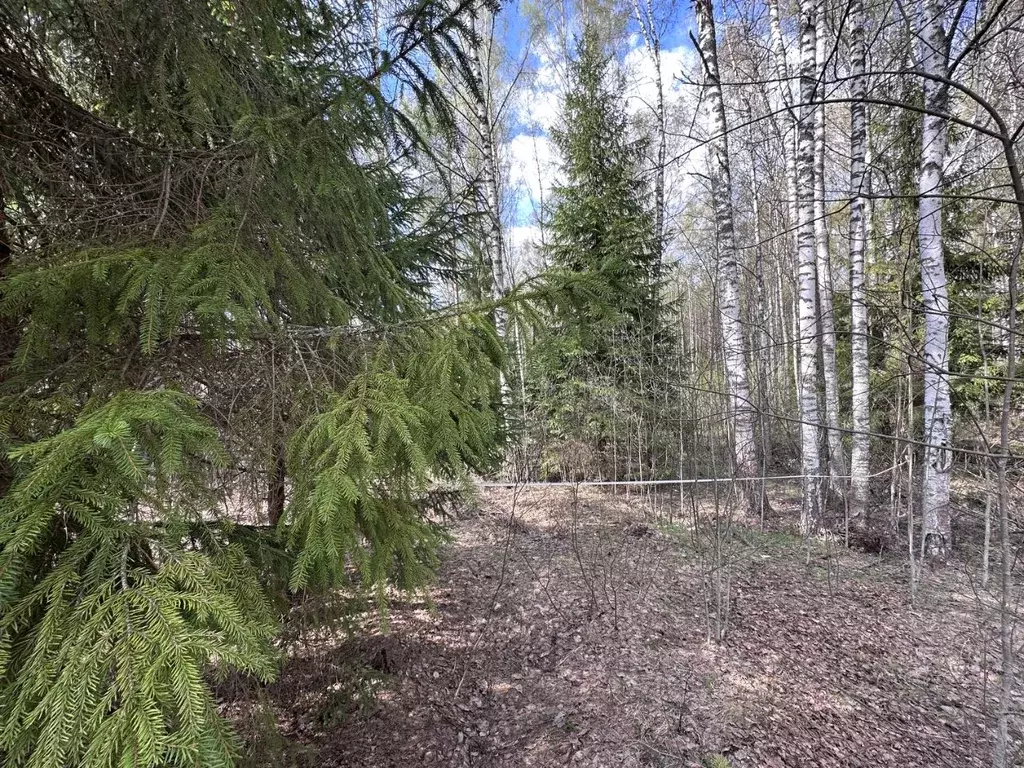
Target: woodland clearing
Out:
[572,628]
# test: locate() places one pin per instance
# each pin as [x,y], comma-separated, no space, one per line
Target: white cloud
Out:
[642,89]
[530,156]
[524,258]
[541,108]
[540,103]
[531,161]
[524,237]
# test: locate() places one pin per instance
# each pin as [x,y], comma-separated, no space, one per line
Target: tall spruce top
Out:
[603,243]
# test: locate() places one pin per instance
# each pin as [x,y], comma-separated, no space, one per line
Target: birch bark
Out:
[934,58]
[860,455]
[826,316]
[810,513]
[785,88]
[487,181]
[741,408]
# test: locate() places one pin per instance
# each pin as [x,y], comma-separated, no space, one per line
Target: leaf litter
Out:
[572,629]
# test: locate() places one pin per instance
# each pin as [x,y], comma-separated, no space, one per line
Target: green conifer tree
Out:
[605,272]
[224,376]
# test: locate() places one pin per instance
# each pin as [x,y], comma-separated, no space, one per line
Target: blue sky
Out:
[527,152]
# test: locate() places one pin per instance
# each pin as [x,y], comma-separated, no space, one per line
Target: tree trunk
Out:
[810,514]
[935,299]
[487,180]
[826,316]
[652,40]
[741,410]
[790,118]
[276,486]
[763,333]
[860,458]
[1003,748]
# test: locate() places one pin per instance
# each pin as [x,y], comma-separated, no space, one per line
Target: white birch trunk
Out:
[860,458]
[487,183]
[763,353]
[785,88]
[741,409]
[652,40]
[793,342]
[935,299]
[826,317]
[810,514]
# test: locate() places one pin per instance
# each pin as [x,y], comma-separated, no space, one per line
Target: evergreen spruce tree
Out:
[220,376]
[604,255]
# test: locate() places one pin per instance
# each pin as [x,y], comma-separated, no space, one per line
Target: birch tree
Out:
[652,42]
[785,89]
[934,62]
[807,272]
[826,317]
[741,411]
[486,182]
[860,456]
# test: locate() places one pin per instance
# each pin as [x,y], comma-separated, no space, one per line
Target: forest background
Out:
[283,280]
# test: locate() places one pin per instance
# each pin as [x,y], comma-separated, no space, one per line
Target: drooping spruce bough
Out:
[221,376]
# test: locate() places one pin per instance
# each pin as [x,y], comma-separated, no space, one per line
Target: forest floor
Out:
[566,632]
